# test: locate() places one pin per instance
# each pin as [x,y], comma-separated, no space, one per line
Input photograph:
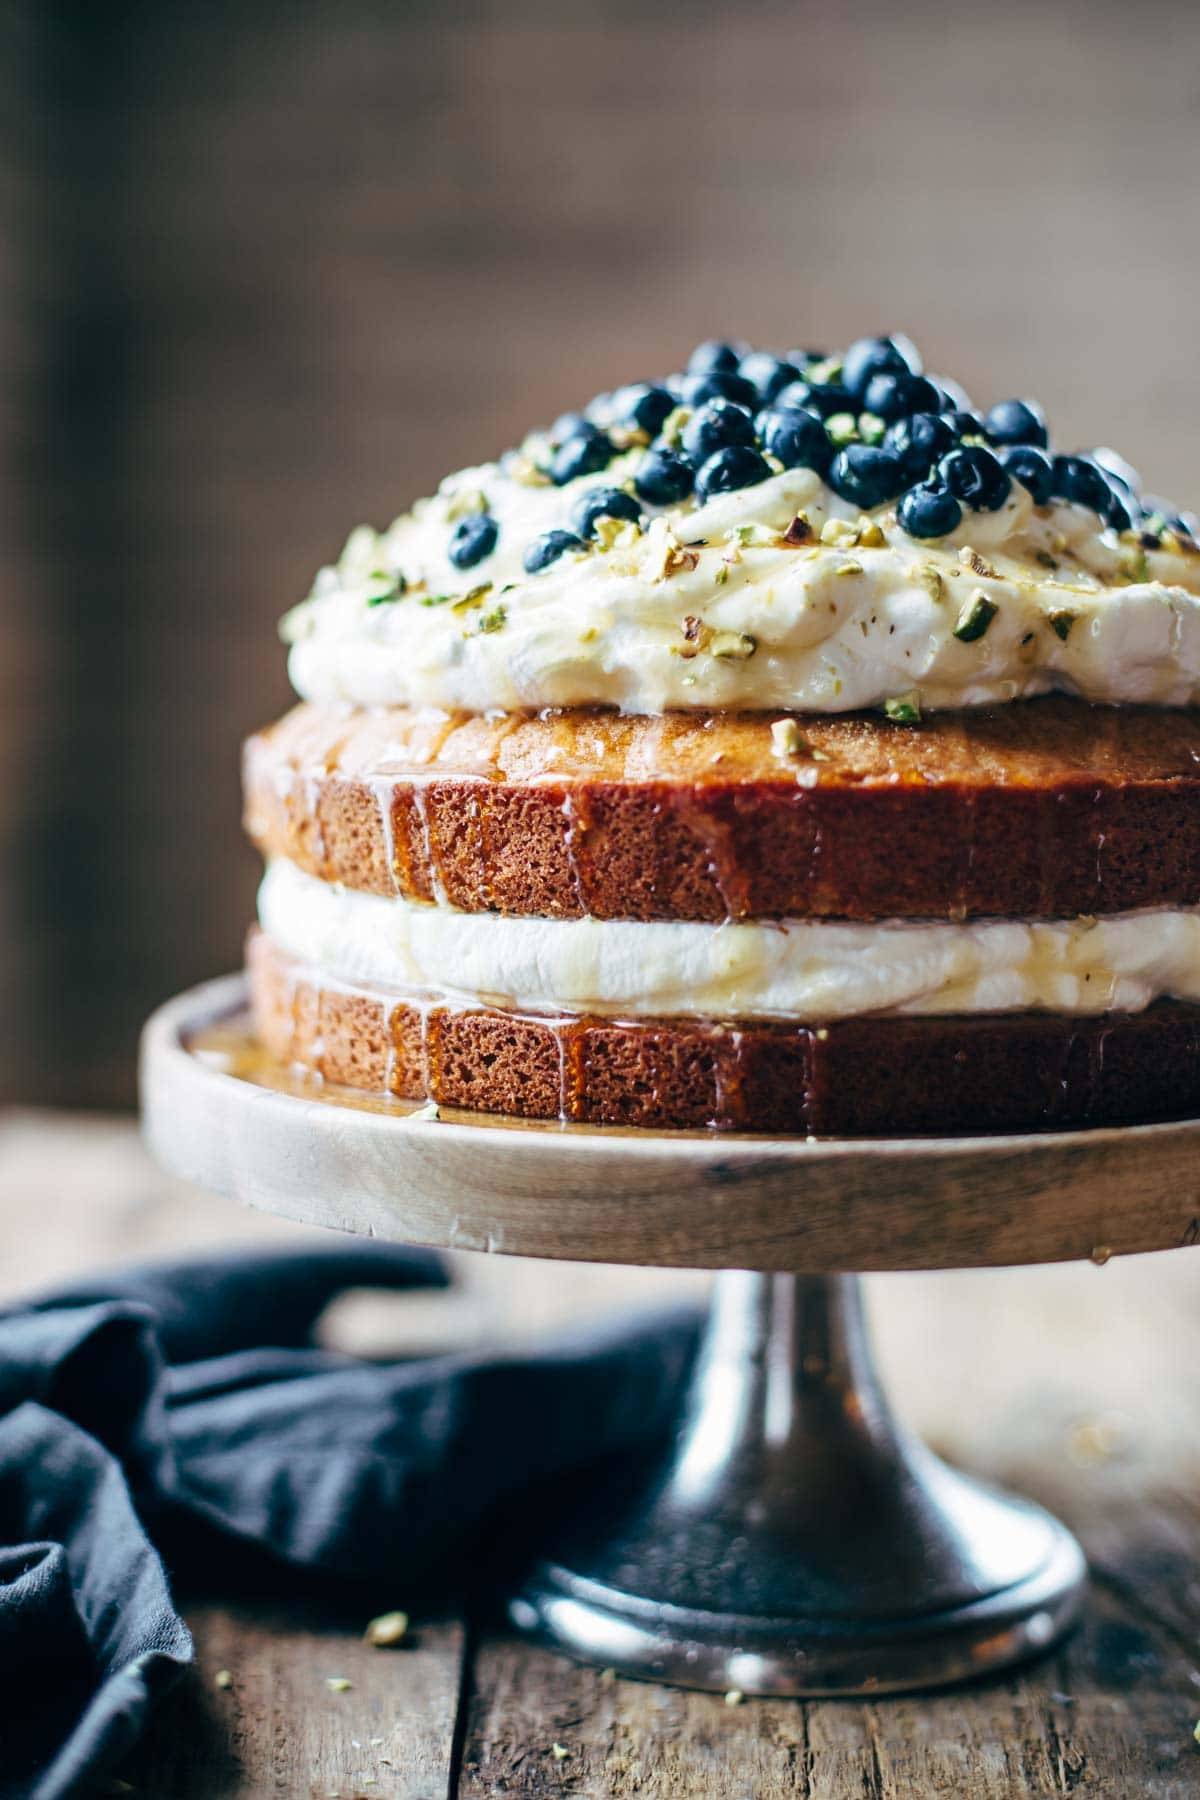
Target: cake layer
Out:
[811,969]
[1047,809]
[874,1077]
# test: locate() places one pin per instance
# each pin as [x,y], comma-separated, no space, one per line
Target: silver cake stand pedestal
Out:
[796,1539]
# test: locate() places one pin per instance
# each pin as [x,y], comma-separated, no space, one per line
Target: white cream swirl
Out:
[799,969]
[709,608]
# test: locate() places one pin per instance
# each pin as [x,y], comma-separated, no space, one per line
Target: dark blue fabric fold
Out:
[181,1411]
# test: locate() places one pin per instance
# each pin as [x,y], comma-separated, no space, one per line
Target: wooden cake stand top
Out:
[220,1112]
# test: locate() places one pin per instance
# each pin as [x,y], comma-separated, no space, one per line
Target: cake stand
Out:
[796,1539]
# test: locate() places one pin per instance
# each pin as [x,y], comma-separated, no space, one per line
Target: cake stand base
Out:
[798,1540]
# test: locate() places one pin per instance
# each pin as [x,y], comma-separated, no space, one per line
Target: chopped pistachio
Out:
[786,738]
[1061,620]
[664,554]
[734,1697]
[722,574]
[975,617]
[494,620]
[799,531]
[749,536]
[871,427]
[436,599]
[849,567]
[465,504]
[839,532]
[388,1629]
[971,559]
[870,534]
[559,1752]
[931,580]
[735,645]
[1135,565]
[841,428]
[523,470]
[338,1684]
[904,709]
[697,635]
[674,423]
[612,534]
[472,598]
[819,373]
[223,1679]
[1044,557]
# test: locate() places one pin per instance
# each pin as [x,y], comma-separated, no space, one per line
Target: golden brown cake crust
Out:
[868,1077]
[1045,808]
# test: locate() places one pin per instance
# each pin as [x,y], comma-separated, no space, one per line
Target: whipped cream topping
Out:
[709,607]
[800,969]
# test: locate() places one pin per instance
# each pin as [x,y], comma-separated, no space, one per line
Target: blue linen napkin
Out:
[178,1416]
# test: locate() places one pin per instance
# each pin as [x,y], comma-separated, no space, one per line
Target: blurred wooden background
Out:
[268,272]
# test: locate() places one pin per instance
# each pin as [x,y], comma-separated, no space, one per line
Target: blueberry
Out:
[1121,502]
[663,477]
[548,548]
[929,511]
[694,389]
[712,426]
[1078,479]
[569,425]
[976,477]
[892,395]
[1016,422]
[1031,467]
[865,475]
[643,406]
[472,540]
[796,393]
[585,454]
[795,437]
[603,503]
[1117,469]
[964,423]
[737,466]
[877,356]
[828,398]
[767,374]
[918,442]
[713,355]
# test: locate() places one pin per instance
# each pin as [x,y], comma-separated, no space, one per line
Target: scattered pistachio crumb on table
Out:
[338,1684]
[559,1752]
[223,1679]
[389,1628]
[734,1697]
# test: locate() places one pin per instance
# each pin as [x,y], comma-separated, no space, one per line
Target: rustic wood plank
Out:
[278,1727]
[1111,1715]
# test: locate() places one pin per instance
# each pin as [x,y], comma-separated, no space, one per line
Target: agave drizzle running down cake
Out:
[785,746]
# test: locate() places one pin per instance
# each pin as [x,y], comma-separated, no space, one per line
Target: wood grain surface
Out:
[1074,1383]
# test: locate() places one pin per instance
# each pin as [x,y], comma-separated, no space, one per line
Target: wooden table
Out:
[1077,1384]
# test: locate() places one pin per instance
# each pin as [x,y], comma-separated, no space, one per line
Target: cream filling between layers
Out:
[810,970]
